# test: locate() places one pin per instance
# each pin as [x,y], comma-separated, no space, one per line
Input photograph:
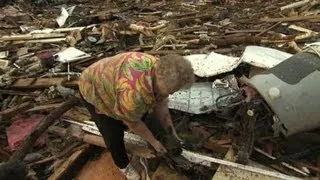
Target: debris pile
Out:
[257,67]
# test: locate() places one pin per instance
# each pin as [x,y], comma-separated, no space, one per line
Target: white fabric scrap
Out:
[263,57]
[212,64]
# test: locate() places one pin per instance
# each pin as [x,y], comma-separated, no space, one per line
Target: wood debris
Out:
[34,81]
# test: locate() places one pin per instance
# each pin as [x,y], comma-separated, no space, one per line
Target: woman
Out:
[130,90]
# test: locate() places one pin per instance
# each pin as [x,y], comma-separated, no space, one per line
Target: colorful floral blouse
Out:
[120,86]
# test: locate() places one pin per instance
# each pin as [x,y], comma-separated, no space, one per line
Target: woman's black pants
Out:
[112,131]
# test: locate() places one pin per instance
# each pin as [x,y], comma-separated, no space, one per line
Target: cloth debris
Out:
[21,128]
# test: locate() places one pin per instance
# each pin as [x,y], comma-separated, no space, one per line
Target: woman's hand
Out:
[139,128]
[159,147]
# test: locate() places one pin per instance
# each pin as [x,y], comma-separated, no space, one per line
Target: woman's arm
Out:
[162,112]
[139,128]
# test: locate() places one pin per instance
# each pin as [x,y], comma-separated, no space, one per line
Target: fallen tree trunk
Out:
[42,127]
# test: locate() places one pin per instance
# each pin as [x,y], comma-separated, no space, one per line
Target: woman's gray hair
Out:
[175,71]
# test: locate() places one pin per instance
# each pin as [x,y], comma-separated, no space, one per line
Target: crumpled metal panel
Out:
[292,91]
[263,57]
[201,97]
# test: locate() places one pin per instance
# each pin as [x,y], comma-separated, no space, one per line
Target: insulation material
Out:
[212,64]
[263,57]
[22,128]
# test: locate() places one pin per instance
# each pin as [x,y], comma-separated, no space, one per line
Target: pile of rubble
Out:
[257,67]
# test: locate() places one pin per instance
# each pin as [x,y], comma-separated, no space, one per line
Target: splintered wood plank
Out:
[16,109]
[62,170]
[227,173]
[78,114]
[23,82]
[37,82]
[46,107]
[19,93]
[71,83]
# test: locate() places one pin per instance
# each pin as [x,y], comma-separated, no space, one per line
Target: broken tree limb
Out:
[42,127]
[291,19]
[236,40]
[193,18]
[243,31]
[268,29]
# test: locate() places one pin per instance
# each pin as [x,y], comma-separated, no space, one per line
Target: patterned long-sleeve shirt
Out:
[120,86]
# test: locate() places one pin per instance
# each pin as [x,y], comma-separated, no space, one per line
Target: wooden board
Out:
[37,82]
[230,173]
[29,83]
[16,109]
[62,170]
[45,107]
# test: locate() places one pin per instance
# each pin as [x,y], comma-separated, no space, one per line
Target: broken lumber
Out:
[193,18]
[268,29]
[37,83]
[290,19]
[134,148]
[295,5]
[51,40]
[206,159]
[42,127]
[31,36]
[46,107]
[66,165]
[16,110]
[19,93]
